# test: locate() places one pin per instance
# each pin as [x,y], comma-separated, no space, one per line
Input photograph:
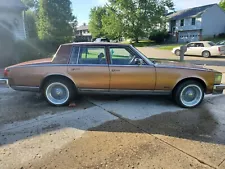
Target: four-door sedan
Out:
[107,68]
[202,48]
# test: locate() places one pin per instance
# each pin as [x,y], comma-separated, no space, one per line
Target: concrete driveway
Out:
[110,132]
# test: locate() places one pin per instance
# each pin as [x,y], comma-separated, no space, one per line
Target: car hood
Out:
[183,65]
[33,62]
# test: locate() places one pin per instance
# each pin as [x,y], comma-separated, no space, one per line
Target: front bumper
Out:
[4,81]
[218,89]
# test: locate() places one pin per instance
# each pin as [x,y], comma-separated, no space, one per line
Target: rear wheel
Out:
[206,54]
[59,92]
[177,52]
[189,94]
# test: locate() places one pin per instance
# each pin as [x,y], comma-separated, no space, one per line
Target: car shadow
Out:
[150,114]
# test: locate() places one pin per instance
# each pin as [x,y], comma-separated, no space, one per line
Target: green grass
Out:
[214,39]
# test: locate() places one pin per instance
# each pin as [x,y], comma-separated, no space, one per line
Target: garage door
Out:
[189,36]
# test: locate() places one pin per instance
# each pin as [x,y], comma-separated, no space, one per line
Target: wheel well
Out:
[192,79]
[46,79]
[206,51]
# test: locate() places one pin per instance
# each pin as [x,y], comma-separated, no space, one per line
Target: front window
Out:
[182,22]
[123,56]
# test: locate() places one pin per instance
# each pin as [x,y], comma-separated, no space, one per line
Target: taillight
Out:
[219,49]
[6,72]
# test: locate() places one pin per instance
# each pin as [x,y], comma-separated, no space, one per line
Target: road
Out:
[110,132]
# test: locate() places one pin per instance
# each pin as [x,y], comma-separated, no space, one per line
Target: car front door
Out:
[128,76]
[89,68]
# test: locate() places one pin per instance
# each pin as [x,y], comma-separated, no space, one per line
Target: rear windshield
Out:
[212,44]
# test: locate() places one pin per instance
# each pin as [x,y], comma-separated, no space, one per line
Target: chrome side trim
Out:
[4,81]
[125,92]
[201,69]
[26,88]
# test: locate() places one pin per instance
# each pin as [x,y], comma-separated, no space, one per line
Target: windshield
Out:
[212,44]
[142,55]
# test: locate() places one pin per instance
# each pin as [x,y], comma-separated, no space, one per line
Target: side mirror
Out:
[138,61]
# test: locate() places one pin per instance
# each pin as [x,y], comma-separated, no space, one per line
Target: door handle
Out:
[115,70]
[74,69]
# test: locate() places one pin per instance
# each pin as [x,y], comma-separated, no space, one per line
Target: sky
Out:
[81,8]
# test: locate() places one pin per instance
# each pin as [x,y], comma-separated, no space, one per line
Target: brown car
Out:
[107,68]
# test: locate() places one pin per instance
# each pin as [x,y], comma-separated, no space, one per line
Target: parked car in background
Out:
[202,48]
[102,40]
[221,43]
[111,68]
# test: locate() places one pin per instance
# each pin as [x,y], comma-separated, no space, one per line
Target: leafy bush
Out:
[221,35]
[159,36]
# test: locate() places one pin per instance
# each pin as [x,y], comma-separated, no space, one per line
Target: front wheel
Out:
[58,92]
[189,94]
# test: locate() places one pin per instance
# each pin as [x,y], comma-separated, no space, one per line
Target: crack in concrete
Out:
[145,131]
[221,163]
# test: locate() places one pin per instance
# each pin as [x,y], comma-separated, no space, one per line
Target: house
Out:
[12,18]
[83,34]
[196,23]
[12,29]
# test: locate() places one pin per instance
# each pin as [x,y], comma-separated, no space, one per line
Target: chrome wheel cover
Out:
[57,93]
[206,54]
[191,95]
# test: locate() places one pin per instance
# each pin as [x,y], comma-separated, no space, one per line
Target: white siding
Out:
[17,30]
[213,21]
[188,24]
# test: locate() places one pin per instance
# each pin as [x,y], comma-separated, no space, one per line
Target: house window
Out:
[182,22]
[193,20]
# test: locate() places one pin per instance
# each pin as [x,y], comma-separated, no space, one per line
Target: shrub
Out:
[221,35]
[159,36]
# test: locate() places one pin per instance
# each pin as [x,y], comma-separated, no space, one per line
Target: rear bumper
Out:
[4,81]
[218,89]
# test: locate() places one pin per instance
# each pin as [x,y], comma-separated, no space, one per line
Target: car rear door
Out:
[89,68]
[125,75]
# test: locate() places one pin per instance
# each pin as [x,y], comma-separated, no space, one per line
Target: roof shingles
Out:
[187,13]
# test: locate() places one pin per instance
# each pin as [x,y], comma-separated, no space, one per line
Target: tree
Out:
[111,24]
[95,23]
[30,23]
[31,17]
[54,18]
[222,4]
[139,17]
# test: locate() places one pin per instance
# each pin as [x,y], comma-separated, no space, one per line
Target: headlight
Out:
[218,78]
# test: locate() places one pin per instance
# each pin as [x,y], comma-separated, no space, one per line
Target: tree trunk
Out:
[136,39]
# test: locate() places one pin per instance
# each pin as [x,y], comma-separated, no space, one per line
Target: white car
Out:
[202,48]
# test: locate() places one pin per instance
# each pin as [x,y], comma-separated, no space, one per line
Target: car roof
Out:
[96,44]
